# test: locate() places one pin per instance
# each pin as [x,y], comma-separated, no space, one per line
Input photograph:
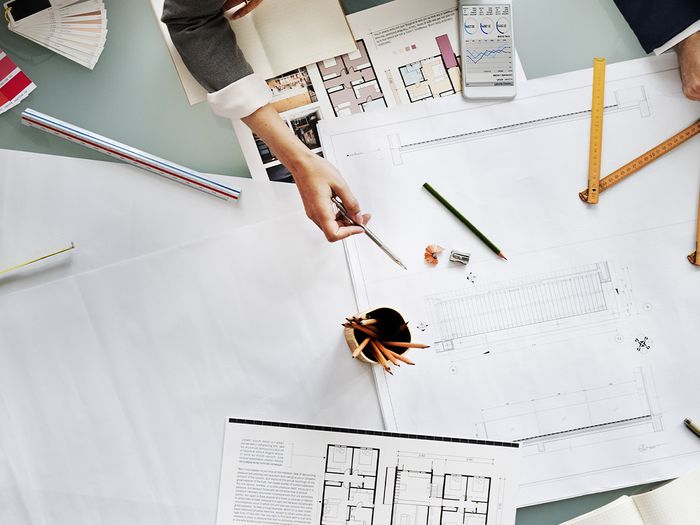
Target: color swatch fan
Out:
[76,29]
[14,85]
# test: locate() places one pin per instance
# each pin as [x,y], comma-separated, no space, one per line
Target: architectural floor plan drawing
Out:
[304,474]
[573,346]
[349,485]
[351,82]
[427,497]
[434,77]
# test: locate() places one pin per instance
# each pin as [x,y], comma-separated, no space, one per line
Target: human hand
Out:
[317,181]
[688,52]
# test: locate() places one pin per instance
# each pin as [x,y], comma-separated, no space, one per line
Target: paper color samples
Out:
[14,84]
[76,29]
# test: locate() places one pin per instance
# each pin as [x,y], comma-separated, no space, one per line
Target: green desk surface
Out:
[134,95]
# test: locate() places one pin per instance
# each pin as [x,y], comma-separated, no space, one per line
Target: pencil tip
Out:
[500,254]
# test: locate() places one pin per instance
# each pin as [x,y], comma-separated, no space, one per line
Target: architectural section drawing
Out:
[350,485]
[351,82]
[433,77]
[632,99]
[581,293]
[610,406]
[435,497]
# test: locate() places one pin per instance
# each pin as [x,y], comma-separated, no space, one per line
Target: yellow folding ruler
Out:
[595,150]
[694,257]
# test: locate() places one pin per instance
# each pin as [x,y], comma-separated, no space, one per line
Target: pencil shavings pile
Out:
[76,29]
[14,84]
[431,253]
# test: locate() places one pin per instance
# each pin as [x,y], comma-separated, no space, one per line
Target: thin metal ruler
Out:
[595,150]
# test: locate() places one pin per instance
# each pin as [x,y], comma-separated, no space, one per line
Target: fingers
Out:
[351,204]
[335,231]
[688,51]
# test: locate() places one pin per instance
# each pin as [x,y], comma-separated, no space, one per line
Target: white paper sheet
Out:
[581,345]
[365,80]
[301,474]
[115,384]
[111,211]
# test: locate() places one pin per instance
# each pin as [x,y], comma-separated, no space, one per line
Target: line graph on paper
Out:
[632,99]
[605,410]
[559,301]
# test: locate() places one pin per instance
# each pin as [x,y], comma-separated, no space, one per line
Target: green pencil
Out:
[464,220]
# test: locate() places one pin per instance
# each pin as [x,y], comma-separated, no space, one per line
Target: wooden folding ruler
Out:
[637,164]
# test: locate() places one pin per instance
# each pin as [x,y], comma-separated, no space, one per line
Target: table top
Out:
[135,80]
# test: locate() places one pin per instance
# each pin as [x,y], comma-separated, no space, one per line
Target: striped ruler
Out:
[648,157]
[595,150]
[128,154]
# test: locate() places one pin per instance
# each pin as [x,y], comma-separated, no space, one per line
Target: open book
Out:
[276,37]
[677,503]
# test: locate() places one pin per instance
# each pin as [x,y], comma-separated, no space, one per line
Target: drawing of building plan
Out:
[301,474]
[414,47]
[582,346]
[406,52]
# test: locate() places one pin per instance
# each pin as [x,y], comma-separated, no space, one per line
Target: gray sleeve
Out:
[205,41]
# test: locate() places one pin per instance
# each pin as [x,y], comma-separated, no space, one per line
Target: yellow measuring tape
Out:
[595,150]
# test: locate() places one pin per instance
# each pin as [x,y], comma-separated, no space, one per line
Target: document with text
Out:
[301,474]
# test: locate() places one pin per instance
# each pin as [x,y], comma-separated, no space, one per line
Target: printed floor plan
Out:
[433,77]
[351,82]
[431,498]
[350,485]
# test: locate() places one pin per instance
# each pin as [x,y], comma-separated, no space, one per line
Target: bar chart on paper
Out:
[568,347]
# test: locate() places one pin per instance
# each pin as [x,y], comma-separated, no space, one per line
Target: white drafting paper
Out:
[582,346]
[115,383]
[301,474]
[397,61]
[112,212]
[270,38]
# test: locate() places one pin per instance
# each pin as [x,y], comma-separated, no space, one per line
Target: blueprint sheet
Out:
[583,345]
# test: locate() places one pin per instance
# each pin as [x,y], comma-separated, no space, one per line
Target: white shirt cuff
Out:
[693,28]
[241,98]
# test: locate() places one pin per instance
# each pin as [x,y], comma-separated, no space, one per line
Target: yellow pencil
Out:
[27,263]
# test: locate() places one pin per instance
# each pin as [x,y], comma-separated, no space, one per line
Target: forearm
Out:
[267,124]
[316,179]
